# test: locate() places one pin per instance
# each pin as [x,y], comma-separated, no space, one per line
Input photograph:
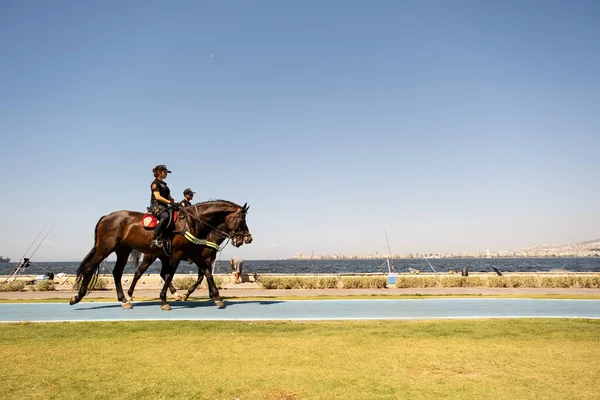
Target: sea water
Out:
[587,264]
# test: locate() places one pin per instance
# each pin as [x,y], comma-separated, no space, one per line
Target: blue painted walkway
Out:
[306,310]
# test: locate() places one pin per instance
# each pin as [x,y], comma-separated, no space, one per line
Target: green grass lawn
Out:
[483,359]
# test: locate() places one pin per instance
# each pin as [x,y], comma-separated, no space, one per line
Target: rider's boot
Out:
[158,233]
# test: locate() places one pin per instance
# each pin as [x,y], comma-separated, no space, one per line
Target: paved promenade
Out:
[249,290]
[280,305]
[305,310]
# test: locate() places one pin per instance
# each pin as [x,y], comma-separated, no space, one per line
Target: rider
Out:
[160,200]
[188,195]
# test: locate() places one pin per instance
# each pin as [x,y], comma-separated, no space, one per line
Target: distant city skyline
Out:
[452,126]
[589,248]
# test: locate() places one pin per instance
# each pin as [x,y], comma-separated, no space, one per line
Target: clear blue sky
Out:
[460,125]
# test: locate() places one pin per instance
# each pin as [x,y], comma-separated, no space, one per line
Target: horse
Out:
[204,269]
[122,232]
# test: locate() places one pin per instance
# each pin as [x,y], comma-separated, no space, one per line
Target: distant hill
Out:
[595,242]
[584,249]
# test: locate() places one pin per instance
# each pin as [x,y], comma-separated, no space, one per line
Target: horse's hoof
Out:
[178,298]
[73,300]
[185,297]
[165,307]
[220,304]
[127,306]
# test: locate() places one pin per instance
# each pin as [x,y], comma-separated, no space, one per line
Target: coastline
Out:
[150,285]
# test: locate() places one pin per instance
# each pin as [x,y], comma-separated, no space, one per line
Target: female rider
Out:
[159,201]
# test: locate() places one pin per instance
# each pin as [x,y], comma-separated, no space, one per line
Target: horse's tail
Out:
[134,257]
[87,269]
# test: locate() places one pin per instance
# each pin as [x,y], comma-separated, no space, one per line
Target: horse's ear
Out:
[245,208]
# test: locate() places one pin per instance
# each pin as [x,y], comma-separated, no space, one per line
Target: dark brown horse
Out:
[122,232]
[204,269]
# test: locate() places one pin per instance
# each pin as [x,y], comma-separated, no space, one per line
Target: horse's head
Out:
[237,228]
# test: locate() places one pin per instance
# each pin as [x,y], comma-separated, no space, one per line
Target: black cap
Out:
[162,167]
[189,191]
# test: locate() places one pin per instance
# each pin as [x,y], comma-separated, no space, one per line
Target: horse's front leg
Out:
[146,262]
[172,289]
[122,255]
[168,269]
[212,287]
[195,285]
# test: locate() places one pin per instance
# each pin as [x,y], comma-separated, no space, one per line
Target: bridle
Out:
[231,236]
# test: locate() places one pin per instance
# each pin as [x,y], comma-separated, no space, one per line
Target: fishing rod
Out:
[34,240]
[390,267]
[42,241]
[436,274]
[25,262]
[20,263]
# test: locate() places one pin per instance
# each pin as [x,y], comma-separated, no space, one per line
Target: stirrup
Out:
[156,244]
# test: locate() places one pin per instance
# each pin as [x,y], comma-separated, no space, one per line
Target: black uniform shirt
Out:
[185,203]
[162,188]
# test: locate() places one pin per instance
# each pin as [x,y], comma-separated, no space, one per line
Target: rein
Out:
[202,242]
[225,234]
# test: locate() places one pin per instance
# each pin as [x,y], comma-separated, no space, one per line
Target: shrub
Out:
[95,284]
[328,283]
[497,281]
[99,284]
[365,282]
[475,281]
[453,281]
[184,283]
[187,282]
[218,282]
[587,282]
[571,281]
[318,283]
[557,281]
[522,281]
[307,283]
[45,285]
[14,286]
[271,282]
[417,282]
[296,282]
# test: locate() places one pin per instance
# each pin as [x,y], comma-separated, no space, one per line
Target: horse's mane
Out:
[215,202]
[212,201]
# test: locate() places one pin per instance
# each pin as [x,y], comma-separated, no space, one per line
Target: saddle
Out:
[149,222]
